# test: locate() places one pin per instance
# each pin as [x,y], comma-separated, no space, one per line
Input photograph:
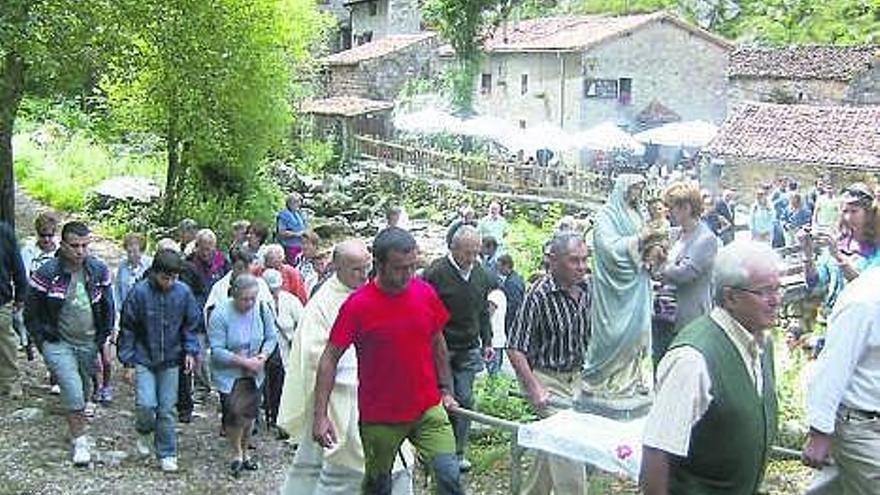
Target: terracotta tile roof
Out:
[345,106]
[375,49]
[835,135]
[825,62]
[579,32]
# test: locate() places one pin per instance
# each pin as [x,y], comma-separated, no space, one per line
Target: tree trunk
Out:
[172,141]
[11,92]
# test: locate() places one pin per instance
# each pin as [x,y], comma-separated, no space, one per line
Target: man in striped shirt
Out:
[546,348]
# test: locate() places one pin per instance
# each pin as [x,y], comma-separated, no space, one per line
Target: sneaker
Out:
[168,464]
[82,455]
[144,444]
[464,465]
[55,389]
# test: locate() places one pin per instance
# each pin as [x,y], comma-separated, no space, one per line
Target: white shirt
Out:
[848,369]
[465,275]
[684,387]
[499,300]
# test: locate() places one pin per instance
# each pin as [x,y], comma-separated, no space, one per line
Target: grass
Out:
[59,166]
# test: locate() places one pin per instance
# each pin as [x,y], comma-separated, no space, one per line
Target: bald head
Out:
[353,261]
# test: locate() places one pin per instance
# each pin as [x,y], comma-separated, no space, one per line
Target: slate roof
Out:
[376,49]
[576,33]
[345,106]
[823,62]
[844,136]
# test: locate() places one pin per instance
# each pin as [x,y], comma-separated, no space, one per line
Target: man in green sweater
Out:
[714,415]
[463,286]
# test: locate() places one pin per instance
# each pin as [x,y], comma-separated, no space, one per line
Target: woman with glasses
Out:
[846,253]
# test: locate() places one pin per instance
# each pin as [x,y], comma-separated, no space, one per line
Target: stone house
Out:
[343,117]
[379,69]
[372,20]
[762,141]
[576,72]
[813,75]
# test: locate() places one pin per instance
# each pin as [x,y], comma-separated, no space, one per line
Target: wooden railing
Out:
[563,182]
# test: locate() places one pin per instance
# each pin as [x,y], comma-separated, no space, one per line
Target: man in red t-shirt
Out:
[396,324]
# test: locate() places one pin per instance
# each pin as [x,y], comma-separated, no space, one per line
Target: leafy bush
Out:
[59,166]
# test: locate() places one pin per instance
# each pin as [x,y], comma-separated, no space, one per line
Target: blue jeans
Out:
[74,367]
[464,365]
[494,366]
[155,397]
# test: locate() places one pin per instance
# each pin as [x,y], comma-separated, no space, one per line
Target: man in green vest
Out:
[714,415]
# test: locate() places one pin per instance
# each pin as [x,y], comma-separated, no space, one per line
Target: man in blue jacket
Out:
[157,334]
[70,312]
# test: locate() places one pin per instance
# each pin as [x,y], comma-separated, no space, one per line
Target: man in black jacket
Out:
[463,286]
[13,287]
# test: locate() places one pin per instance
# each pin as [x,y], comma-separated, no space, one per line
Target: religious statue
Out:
[615,381]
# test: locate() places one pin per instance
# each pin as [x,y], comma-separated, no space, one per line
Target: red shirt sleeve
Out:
[345,327]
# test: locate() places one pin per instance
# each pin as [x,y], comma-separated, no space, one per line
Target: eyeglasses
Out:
[764,293]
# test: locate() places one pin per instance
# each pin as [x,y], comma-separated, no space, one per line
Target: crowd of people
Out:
[362,357]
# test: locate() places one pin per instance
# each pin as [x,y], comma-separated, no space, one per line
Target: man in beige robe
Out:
[340,469]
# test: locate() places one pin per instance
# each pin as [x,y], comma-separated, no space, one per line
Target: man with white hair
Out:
[464,285]
[340,469]
[714,415]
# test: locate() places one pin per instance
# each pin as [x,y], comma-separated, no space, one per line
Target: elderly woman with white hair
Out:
[291,279]
[718,378]
[242,337]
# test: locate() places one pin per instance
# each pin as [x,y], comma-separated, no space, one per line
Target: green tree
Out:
[465,24]
[47,48]
[214,79]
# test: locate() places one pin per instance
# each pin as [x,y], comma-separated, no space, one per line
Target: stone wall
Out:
[362,21]
[865,89]
[689,76]
[391,17]
[404,17]
[684,71]
[810,92]
[745,175]
[383,78]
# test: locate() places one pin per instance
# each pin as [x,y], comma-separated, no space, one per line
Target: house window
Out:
[624,96]
[600,88]
[486,84]
[522,124]
[374,9]
[524,84]
[365,37]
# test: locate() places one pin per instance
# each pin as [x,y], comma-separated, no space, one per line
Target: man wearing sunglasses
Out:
[714,416]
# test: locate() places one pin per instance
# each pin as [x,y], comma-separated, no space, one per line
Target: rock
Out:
[333,228]
[28,414]
[112,458]
[127,189]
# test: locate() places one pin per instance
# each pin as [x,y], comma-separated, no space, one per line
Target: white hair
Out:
[167,243]
[738,261]
[275,249]
[464,232]
[206,235]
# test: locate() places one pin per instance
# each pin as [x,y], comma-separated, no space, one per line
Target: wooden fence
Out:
[562,182]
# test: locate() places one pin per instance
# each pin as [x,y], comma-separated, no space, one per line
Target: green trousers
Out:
[432,437]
